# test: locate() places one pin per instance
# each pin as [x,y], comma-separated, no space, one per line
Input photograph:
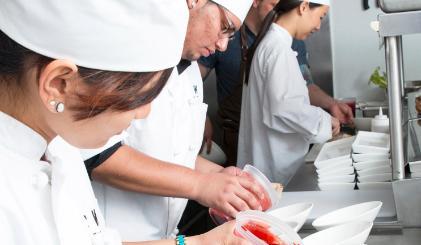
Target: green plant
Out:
[378,79]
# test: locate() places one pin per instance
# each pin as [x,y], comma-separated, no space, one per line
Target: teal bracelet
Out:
[180,240]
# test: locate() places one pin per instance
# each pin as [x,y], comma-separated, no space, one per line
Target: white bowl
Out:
[375,186]
[369,157]
[334,151]
[354,233]
[335,165]
[371,142]
[216,154]
[366,211]
[371,164]
[332,186]
[348,178]
[337,172]
[375,178]
[375,170]
[415,166]
[342,161]
[293,213]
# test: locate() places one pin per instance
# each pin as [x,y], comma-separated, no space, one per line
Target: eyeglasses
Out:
[227,27]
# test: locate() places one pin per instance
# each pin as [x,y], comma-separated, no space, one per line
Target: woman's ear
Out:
[53,82]
[304,6]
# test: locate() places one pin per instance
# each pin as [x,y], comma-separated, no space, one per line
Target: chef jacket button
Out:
[191,148]
[191,102]
[40,180]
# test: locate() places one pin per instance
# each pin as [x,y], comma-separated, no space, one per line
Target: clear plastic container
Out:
[260,228]
[271,196]
[270,200]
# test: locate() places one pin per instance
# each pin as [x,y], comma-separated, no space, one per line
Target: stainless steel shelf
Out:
[397,24]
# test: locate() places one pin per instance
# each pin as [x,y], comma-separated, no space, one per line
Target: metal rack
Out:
[407,192]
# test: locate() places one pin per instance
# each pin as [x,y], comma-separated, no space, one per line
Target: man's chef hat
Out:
[239,8]
[115,35]
[323,2]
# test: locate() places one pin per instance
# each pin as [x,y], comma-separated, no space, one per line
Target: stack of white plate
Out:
[371,160]
[334,165]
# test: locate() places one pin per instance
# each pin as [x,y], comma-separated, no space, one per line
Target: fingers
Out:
[248,201]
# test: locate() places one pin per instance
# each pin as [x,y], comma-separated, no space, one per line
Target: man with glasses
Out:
[159,155]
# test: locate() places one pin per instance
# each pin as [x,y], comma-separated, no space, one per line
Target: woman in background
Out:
[277,121]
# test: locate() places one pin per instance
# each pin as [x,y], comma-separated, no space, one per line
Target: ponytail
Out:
[282,7]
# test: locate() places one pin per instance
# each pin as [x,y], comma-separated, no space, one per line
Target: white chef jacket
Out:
[277,121]
[172,132]
[43,203]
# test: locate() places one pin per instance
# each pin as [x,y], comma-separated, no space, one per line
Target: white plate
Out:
[337,172]
[366,211]
[342,161]
[369,157]
[332,186]
[349,178]
[415,166]
[371,142]
[293,213]
[375,170]
[333,151]
[371,164]
[375,178]
[354,233]
[335,165]
[375,186]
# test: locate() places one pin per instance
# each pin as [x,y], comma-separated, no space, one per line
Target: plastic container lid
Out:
[271,196]
[268,226]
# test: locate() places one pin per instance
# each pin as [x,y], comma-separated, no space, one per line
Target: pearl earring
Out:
[60,107]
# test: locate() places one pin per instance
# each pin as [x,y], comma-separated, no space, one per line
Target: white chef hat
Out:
[323,2]
[239,8]
[115,35]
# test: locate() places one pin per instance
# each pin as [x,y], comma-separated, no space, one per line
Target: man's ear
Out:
[53,80]
[256,3]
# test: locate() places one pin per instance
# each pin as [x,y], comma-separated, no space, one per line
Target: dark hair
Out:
[105,90]
[282,7]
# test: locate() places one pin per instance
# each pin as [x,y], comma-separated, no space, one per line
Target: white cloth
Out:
[277,121]
[114,35]
[173,132]
[43,203]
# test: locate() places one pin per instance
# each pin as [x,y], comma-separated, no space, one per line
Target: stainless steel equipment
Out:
[391,6]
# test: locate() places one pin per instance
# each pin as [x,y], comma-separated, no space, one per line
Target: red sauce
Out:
[266,203]
[262,232]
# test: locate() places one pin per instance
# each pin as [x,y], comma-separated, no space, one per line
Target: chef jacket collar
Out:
[18,137]
[284,33]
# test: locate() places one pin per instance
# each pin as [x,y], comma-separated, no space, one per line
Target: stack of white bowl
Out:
[334,165]
[371,160]
[348,225]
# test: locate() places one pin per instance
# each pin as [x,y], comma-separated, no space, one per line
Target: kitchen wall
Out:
[355,51]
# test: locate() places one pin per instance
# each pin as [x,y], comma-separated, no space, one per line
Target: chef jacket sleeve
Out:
[286,106]
[9,231]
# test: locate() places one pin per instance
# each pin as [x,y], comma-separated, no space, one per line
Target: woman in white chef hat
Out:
[277,121]
[81,70]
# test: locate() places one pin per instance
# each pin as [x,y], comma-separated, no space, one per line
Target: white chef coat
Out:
[43,203]
[172,132]
[277,121]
